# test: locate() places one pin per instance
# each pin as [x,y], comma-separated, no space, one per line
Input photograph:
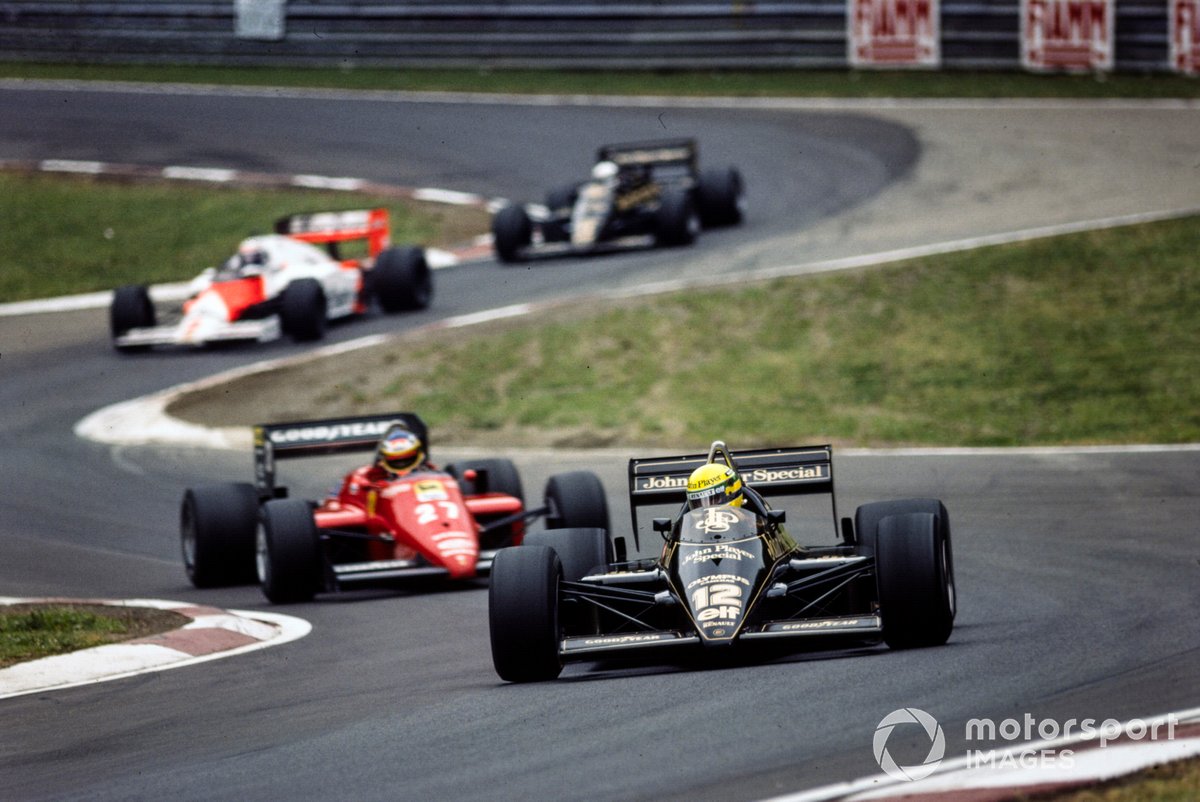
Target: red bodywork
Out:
[424,516]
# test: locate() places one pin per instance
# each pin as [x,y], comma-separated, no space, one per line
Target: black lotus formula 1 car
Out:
[639,195]
[729,577]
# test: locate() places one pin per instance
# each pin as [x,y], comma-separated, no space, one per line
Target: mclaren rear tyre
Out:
[216,533]
[523,614]
[302,310]
[401,280]
[288,552]
[512,233]
[915,576]
[131,308]
[576,499]
[720,198]
[677,221]
[491,476]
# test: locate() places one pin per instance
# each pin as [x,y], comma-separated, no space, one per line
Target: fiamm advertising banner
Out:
[894,33]
[1185,36]
[1073,35]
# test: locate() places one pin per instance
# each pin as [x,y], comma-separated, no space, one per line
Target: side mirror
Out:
[776,516]
[662,526]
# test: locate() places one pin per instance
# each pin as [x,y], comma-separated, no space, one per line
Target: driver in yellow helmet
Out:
[712,485]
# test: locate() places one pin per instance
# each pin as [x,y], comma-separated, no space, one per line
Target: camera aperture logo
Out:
[937,744]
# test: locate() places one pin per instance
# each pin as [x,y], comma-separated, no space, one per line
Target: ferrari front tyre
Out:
[512,232]
[576,499]
[581,551]
[288,551]
[216,534]
[302,310]
[131,308]
[720,198]
[676,222]
[523,613]
[402,280]
[915,575]
[499,476]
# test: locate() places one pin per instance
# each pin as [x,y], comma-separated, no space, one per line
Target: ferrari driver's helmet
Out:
[712,485]
[605,170]
[399,451]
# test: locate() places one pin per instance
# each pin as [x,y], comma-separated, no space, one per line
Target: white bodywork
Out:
[207,317]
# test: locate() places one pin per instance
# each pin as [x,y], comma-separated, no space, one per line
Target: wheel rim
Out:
[189,542]
[262,565]
[947,571]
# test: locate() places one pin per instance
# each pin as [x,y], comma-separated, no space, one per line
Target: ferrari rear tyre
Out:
[288,551]
[720,198]
[576,500]
[581,551]
[499,476]
[677,222]
[302,310]
[915,576]
[512,232]
[523,613]
[402,280]
[216,533]
[131,308]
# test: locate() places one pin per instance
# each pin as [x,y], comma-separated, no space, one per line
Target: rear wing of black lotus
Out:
[276,441]
[661,482]
[665,159]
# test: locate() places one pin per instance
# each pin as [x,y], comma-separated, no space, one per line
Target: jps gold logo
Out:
[716,519]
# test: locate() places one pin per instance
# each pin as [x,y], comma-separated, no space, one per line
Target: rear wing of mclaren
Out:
[331,228]
[276,441]
[774,472]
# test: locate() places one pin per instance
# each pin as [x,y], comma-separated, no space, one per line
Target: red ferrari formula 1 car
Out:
[283,283]
[381,526]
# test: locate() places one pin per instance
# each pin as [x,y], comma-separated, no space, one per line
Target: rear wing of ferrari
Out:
[661,482]
[276,441]
[330,228]
[666,155]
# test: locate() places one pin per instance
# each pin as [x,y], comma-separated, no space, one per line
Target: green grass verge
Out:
[1171,782]
[65,234]
[742,83]
[30,631]
[1089,338]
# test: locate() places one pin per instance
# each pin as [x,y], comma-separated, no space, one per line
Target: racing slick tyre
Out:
[560,202]
[581,551]
[720,198]
[402,280]
[523,613]
[216,533]
[576,500]
[302,310]
[914,573]
[676,222]
[512,231]
[131,308]
[288,551]
[499,476]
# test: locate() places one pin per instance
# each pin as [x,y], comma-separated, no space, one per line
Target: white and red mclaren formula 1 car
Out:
[283,283]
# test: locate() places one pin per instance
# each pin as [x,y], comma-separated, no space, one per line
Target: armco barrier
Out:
[528,33]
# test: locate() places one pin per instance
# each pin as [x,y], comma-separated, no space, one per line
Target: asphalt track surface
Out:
[1077,571]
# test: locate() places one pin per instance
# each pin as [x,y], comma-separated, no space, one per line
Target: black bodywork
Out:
[728,576]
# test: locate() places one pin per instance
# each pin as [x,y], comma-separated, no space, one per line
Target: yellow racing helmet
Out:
[712,485]
[399,451]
